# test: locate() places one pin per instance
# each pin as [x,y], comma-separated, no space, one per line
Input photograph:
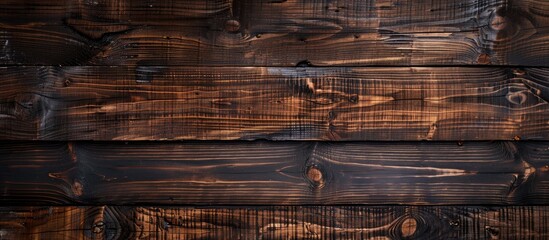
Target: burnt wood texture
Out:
[304,103]
[274,33]
[116,116]
[277,173]
[280,222]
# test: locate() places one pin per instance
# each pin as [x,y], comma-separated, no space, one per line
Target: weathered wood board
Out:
[275,33]
[273,173]
[306,103]
[347,88]
[275,222]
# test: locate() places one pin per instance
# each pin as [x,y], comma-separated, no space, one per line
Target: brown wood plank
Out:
[275,33]
[275,222]
[111,11]
[261,172]
[306,103]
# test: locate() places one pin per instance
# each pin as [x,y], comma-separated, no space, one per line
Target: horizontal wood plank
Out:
[281,173]
[305,103]
[274,33]
[275,222]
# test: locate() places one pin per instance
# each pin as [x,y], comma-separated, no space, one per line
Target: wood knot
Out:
[408,227]
[498,23]
[77,188]
[353,98]
[483,59]
[493,231]
[98,227]
[516,97]
[314,174]
[232,26]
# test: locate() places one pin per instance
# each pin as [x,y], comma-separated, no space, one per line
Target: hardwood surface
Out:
[275,222]
[277,173]
[274,33]
[338,96]
[306,103]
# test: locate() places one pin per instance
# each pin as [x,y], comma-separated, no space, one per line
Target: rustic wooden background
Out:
[274,119]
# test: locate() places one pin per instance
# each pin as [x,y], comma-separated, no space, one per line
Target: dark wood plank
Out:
[275,33]
[415,173]
[306,103]
[144,12]
[275,222]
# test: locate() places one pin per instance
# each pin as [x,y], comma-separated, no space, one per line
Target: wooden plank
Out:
[275,33]
[306,103]
[275,222]
[111,11]
[262,173]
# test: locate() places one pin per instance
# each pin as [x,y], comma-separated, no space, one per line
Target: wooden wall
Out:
[274,119]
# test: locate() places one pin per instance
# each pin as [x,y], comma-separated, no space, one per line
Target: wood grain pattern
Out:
[228,172]
[275,33]
[275,222]
[221,103]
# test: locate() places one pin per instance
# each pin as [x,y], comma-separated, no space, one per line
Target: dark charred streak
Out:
[146,74]
[95,33]
[96,38]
